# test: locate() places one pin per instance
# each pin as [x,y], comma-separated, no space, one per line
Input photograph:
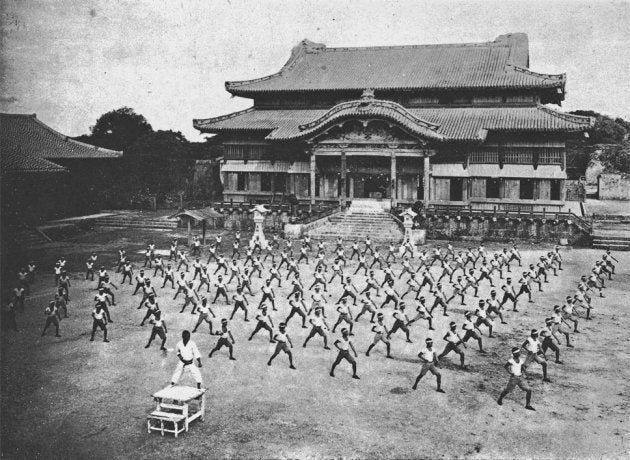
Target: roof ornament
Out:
[311,46]
[368,94]
[366,98]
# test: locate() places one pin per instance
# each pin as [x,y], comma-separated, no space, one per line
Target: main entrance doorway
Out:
[371,186]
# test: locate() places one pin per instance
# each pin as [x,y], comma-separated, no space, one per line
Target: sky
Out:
[70,61]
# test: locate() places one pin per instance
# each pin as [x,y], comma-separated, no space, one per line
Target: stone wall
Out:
[614,186]
[505,230]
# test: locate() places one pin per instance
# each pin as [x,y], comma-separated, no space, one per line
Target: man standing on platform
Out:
[187,352]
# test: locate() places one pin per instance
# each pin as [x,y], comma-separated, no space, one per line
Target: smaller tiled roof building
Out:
[27,145]
[45,173]
[459,124]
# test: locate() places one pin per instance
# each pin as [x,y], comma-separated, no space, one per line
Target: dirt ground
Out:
[71,398]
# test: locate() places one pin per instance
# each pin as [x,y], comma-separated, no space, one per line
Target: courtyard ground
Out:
[71,398]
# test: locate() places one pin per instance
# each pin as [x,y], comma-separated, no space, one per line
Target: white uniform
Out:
[188,352]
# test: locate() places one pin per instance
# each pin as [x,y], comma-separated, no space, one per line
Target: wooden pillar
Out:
[426,179]
[343,179]
[312,177]
[392,185]
[203,237]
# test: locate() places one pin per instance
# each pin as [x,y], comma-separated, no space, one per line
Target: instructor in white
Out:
[187,352]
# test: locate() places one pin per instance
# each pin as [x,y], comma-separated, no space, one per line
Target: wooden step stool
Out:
[166,417]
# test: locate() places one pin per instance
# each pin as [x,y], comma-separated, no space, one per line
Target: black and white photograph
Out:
[314,229]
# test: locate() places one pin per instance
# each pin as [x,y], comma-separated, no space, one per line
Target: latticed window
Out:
[245,152]
[484,156]
[519,157]
[550,156]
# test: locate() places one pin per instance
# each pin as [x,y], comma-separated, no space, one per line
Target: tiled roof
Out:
[27,145]
[502,63]
[456,124]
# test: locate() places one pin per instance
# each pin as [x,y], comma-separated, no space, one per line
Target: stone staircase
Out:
[136,221]
[360,219]
[611,232]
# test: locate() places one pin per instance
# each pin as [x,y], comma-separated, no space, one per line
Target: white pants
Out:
[192,368]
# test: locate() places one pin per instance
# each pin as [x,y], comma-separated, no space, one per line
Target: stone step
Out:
[612,226]
[354,234]
[612,247]
[131,222]
[611,236]
[359,219]
[135,224]
[598,242]
[358,222]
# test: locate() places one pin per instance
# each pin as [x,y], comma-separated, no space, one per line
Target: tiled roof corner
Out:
[561,78]
[199,123]
[28,145]
[587,122]
[304,47]
[96,152]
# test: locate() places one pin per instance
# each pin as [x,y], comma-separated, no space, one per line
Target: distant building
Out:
[46,174]
[459,124]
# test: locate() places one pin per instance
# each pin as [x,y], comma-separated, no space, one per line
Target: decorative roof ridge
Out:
[579,119]
[238,83]
[546,76]
[369,102]
[494,44]
[73,141]
[201,121]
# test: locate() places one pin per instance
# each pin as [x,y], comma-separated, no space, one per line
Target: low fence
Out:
[239,216]
[461,222]
[500,229]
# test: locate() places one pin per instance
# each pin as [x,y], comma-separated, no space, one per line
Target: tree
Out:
[617,158]
[159,161]
[608,136]
[160,144]
[118,129]
[606,130]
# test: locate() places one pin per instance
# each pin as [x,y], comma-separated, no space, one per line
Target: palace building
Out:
[458,124]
